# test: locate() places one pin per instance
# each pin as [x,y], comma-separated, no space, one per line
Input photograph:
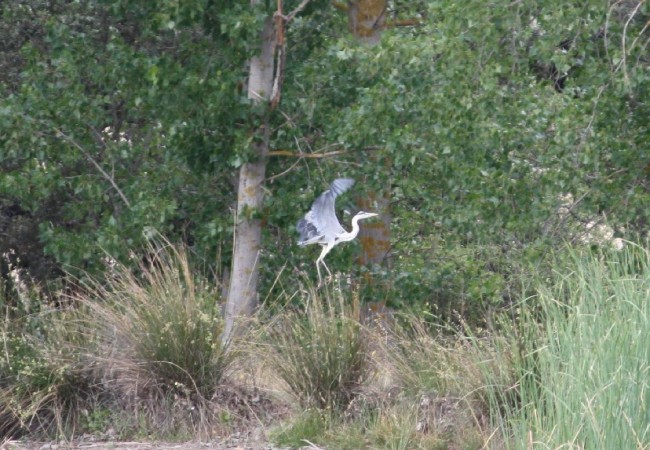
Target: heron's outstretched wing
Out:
[320,223]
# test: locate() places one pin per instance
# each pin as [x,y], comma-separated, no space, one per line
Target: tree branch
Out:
[340,6]
[306,155]
[109,178]
[402,23]
[296,11]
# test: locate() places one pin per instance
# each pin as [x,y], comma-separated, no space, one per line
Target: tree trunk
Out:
[242,295]
[375,235]
[366,19]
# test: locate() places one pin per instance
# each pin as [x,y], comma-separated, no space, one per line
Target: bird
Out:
[321,226]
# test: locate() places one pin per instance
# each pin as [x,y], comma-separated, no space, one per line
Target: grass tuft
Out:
[161,328]
[139,352]
[320,350]
[310,426]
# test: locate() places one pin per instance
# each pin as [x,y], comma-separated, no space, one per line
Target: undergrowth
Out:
[578,356]
[161,327]
[141,353]
[145,346]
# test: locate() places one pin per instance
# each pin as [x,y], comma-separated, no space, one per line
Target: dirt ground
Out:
[252,410]
[225,445]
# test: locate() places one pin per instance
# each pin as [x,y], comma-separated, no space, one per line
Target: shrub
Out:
[46,377]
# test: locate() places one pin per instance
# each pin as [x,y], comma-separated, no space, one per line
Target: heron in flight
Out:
[320,225]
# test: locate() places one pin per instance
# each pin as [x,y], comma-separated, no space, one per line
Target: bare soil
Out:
[252,412]
[228,444]
[137,446]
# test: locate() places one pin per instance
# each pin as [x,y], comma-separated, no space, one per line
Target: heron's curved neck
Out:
[348,236]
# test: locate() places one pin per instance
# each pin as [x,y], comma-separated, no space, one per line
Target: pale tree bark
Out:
[242,294]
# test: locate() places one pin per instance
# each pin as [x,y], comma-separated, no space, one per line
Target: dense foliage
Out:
[496,129]
[488,134]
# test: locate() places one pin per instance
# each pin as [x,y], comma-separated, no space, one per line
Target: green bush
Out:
[47,380]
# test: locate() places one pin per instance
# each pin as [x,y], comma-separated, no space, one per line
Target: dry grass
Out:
[139,352]
[160,336]
[47,379]
[142,354]
[419,389]
[435,380]
[422,357]
[320,350]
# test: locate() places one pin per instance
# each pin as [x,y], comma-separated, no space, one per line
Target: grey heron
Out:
[320,225]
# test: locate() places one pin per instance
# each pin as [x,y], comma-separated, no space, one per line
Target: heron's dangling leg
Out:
[320,260]
[320,279]
[326,268]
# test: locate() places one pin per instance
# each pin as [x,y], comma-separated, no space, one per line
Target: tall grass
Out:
[567,368]
[580,353]
[434,367]
[161,328]
[394,386]
[321,350]
[138,350]
[46,378]
[423,359]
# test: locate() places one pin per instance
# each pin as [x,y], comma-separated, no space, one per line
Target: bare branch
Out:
[284,172]
[109,178]
[623,39]
[295,12]
[307,155]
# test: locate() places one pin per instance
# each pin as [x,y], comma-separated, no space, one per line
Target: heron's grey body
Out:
[321,226]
